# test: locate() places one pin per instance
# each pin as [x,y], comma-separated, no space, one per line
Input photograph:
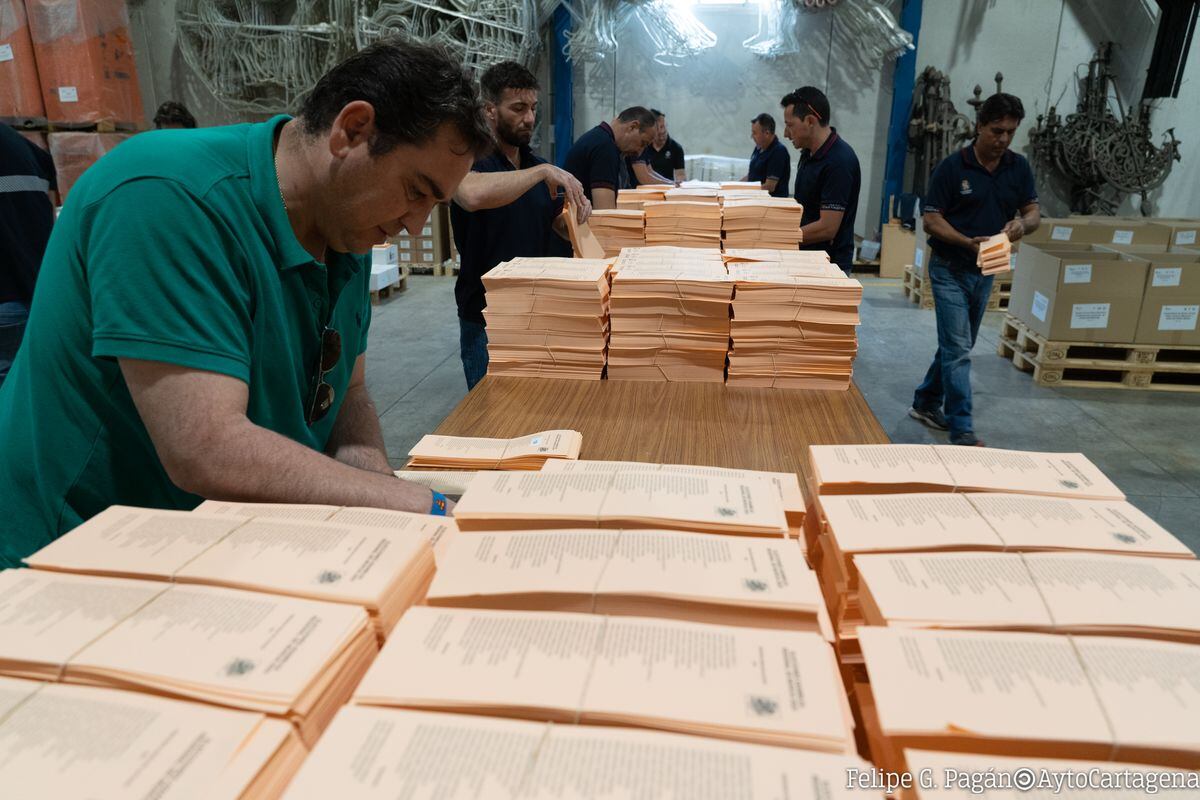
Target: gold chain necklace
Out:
[278,182]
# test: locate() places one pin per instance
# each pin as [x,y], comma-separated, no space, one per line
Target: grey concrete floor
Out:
[1147,442]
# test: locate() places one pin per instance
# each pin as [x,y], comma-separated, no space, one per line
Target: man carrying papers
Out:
[973,195]
[204,306]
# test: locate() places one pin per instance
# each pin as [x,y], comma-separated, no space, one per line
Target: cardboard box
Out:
[384,275]
[897,250]
[1078,294]
[20,89]
[384,255]
[74,152]
[432,246]
[85,60]
[1183,233]
[1125,233]
[1171,301]
[1100,230]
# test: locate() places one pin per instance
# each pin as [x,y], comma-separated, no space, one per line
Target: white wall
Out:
[1037,44]
[710,101]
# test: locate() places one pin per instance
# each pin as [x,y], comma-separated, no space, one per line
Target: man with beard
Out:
[597,158]
[507,206]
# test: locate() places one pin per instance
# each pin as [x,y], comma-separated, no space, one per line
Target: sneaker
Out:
[968,439]
[931,419]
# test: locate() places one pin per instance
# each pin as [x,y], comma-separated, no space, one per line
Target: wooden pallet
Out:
[41,124]
[380,295]
[25,123]
[1098,364]
[998,301]
[913,285]
[447,267]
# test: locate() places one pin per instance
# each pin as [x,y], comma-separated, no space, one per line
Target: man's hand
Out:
[1015,230]
[561,179]
[978,240]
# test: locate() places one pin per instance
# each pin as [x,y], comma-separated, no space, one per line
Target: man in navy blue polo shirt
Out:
[597,159]
[663,162]
[827,179]
[770,163]
[26,215]
[975,193]
[508,206]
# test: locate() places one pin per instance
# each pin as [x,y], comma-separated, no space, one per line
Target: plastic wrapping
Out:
[263,56]
[20,91]
[85,61]
[74,152]
[37,137]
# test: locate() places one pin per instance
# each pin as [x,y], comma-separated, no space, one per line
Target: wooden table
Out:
[671,423]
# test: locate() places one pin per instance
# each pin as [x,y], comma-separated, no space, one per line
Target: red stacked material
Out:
[85,61]
[75,152]
[37,137]
[20,92]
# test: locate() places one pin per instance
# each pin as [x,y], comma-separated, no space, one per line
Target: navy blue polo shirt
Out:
[487,237]
[773,162]
[664,161]
[976,202]
[829,178]
[596,161]
[26,215]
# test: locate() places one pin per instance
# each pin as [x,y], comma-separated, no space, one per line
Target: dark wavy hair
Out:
[173,113]
[506,75]
[414,88]
[999,106]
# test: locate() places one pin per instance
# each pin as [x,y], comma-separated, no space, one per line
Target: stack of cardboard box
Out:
[431,248]
[1103,293]
[20,90]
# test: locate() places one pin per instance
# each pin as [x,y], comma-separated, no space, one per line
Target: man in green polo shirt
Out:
[202,309]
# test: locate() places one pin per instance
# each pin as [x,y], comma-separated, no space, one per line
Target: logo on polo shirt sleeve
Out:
[966,187]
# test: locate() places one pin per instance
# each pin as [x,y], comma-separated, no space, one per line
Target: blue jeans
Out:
[960,297]
[12,328]
[472,347]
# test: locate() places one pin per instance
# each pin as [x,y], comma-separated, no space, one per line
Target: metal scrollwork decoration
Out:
[1102,158]
[935,126]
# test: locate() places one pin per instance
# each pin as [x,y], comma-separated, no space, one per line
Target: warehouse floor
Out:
[1147,442]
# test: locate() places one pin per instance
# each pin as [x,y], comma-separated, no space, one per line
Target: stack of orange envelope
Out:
[684,223]
[761,222]
[793,321]
[547,317]
[618,228]
[634,199]
[670,315]
[994,254]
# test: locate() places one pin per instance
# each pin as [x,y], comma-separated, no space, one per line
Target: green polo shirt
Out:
[175,247]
